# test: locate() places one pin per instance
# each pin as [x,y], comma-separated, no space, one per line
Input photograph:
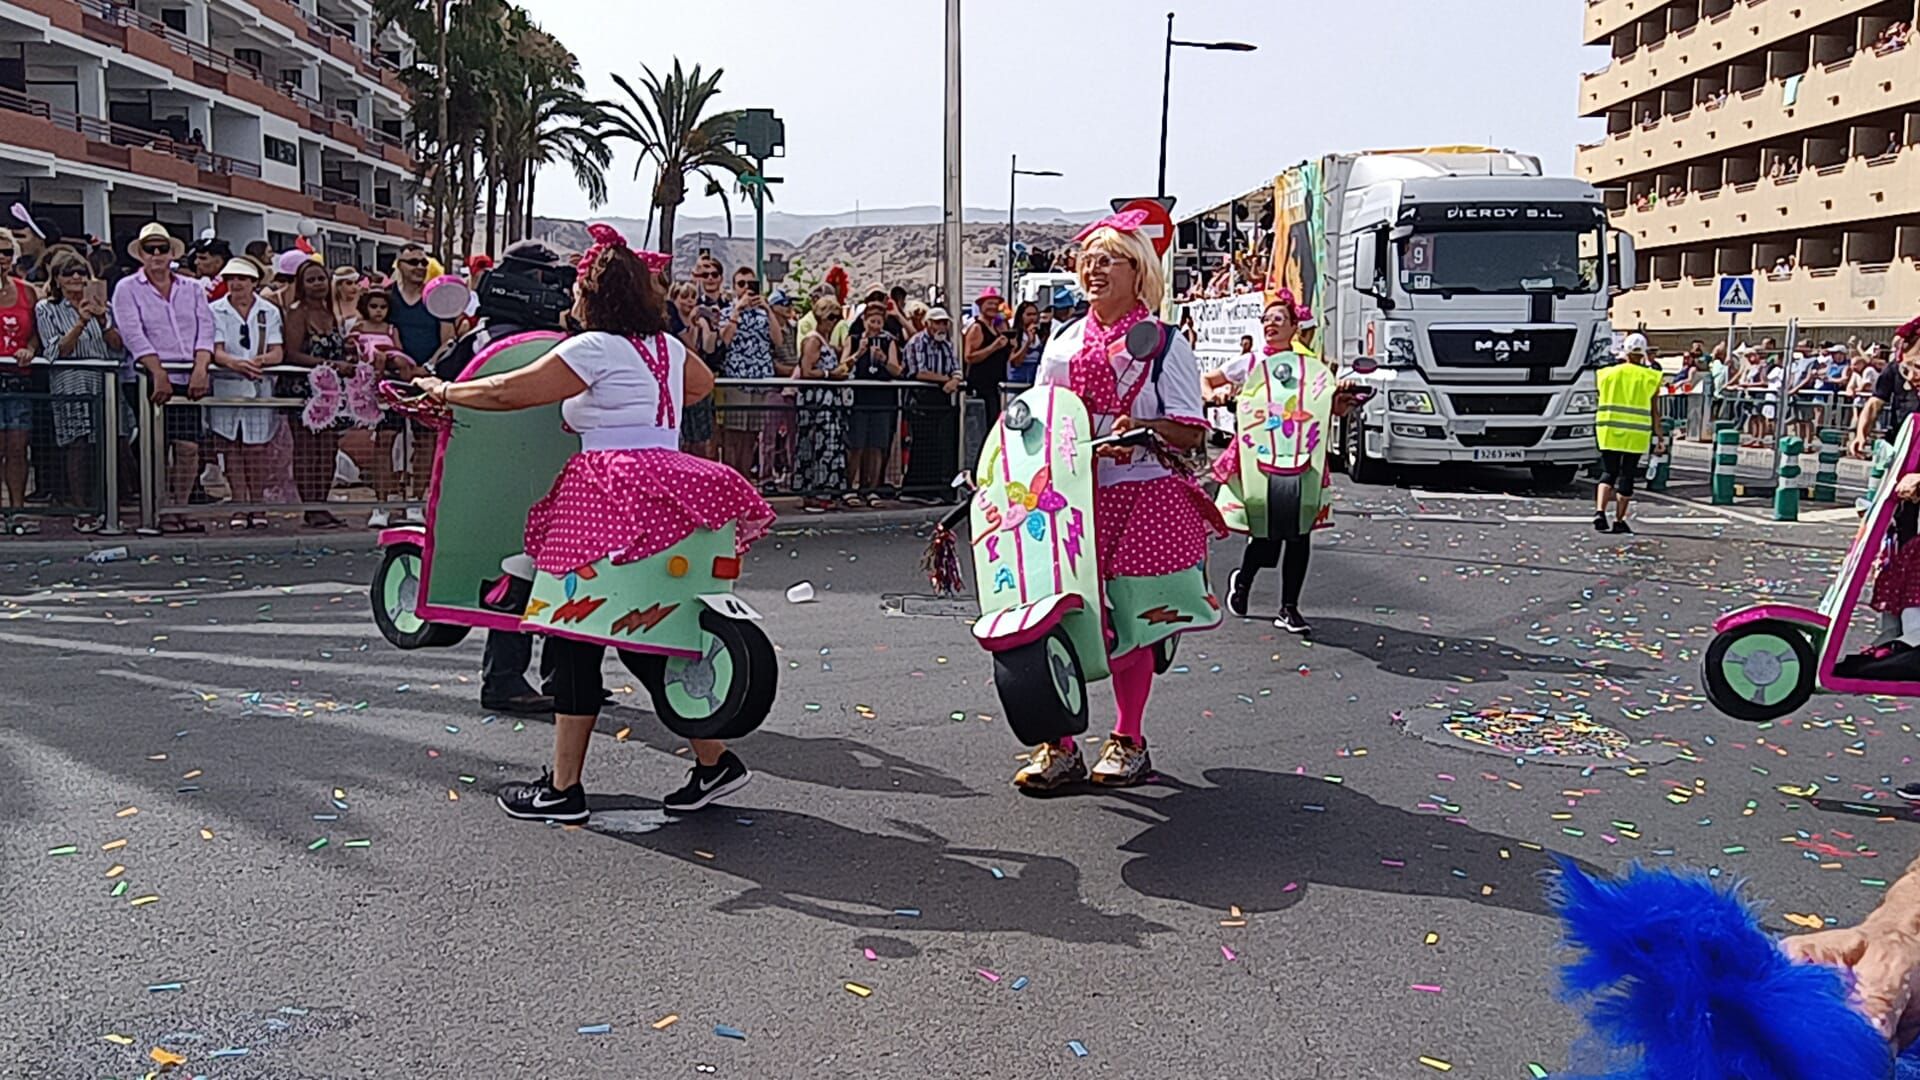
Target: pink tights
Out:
[1132,682]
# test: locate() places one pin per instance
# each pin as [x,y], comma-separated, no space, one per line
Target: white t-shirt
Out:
[1176,397]
[620,408]
[263,330]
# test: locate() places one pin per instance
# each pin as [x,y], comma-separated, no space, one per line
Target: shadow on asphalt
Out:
[1448,658]
[811,866]
[828,761]
[1252,840]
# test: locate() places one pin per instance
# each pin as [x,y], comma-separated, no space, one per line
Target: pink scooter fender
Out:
[1023,624]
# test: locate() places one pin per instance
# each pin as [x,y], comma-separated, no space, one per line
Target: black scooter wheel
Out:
[724,693]
[394,594]
[1043,689]
[1760,671]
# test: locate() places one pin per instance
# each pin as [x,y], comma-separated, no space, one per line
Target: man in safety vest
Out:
[1624,428]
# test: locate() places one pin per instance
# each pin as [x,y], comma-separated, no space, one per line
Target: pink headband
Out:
[1128,222]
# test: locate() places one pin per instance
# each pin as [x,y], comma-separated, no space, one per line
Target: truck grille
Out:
[1498,404]
[1528,347]
[1504,436]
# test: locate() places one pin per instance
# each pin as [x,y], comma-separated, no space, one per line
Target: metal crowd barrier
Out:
[65,463]
[797,437]
[793,437]
[1753,410]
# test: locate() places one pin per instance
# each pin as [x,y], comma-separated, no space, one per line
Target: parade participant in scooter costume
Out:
[1896,653]
[627,495]
[1148,520]
[1279,322]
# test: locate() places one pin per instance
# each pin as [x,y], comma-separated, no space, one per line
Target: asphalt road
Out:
[318,885]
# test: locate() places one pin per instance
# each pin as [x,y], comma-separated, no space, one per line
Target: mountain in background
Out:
[896,247]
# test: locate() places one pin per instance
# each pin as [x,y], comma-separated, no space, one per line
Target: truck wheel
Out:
[723,693]
[1361,469]
[1760,671]
[1553,477]
[1043,689]
[395,592]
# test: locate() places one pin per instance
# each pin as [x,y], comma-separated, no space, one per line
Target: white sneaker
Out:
[1123,762]
[415,516]
[1050,766]
[379,519]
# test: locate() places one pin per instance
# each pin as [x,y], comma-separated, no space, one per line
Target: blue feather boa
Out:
[1679,982]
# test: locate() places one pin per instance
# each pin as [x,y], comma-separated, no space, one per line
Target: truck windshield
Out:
[1501,261]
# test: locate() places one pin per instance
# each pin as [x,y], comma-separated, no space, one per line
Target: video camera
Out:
[527,293]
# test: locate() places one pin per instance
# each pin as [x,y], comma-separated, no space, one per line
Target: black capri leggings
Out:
[1289,555]
[1617,468]
[570,672]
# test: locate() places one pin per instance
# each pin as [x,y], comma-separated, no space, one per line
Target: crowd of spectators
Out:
[1824,383]
[803,406]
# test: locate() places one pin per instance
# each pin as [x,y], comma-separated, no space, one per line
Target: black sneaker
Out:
[1293,622]
[1909,792]
[538,801]
[1622,527]
[520,705]
[1600,521]
[1236,597]
[708,783]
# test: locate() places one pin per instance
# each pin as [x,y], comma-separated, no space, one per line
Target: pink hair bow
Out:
[657,261]
[604,236]
[1126,222]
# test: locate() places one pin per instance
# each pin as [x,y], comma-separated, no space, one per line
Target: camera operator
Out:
[530,289]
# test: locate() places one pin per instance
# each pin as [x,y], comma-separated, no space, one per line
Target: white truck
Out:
[1479,286]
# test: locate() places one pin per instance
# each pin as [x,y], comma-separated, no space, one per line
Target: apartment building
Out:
[1769,137]
[247,117]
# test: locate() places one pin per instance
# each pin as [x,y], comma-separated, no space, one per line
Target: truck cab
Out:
[1484,300]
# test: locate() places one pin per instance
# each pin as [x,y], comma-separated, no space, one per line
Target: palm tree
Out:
[556,126]
[663,120]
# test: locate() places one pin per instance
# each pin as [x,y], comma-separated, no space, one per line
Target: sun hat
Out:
[153,230]
[241,267]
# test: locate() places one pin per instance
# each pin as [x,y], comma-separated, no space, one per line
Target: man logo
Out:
[1503,348]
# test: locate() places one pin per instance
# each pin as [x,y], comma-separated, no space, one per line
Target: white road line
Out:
[1684,520]
[1551,519]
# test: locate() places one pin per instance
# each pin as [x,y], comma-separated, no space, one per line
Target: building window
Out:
[175,18]
[282,151]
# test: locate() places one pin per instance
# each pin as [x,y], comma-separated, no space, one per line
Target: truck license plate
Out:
[1499,455]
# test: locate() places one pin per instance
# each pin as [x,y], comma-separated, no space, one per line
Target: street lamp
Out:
[1166,86]
[1014,173]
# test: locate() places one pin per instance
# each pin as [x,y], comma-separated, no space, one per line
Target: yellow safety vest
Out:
[1625,421]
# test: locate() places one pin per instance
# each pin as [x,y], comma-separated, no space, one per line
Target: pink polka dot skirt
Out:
[631,504]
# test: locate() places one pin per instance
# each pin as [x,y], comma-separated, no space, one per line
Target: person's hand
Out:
[92,309]
[1115,452]
[952,385]
[1908,488]
[23,358]
[199,384]
[1857,445]
[431,386]
[1885,964]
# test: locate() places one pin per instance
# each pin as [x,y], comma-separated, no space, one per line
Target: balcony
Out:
[115,144]
[1750,25]
[1852,295]
[1861,189]
[1870,83]
[1604,17]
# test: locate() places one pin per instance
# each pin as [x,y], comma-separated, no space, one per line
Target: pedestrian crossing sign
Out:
[1736,295]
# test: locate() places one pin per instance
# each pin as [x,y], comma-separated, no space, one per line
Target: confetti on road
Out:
[666,1021]
[726,1032]
[1078,1048]
[857,990]
[594,1029]
[1436,1064]
[64,849]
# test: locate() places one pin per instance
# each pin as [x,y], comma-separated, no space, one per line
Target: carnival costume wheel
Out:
[1283,505]
[395,592]
[1164,652]
[1043,689]
[1760,671]
[723,693]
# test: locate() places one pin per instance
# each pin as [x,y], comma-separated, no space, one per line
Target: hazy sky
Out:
[1074,85]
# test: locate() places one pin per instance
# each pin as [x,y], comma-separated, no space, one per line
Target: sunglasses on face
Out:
[410,262]
[74,271]
[156,249]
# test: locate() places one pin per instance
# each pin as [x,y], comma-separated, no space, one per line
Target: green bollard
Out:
[1726,458]
[1660,462]
[1826,480]
[1786,492]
